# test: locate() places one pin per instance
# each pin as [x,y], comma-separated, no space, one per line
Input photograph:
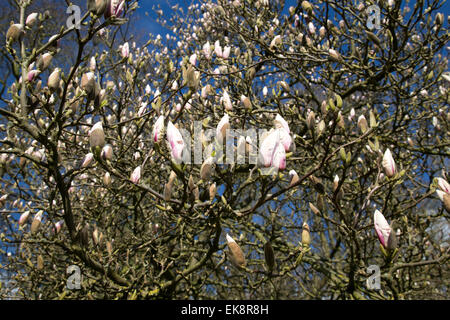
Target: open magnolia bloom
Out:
[272,152]
[284,132]
[384,231]
[281,123]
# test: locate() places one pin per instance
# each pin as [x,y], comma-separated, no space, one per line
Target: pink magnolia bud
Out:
[136,175]
[31,76]
[44,61]
[236,255]
[107,152]
[335,182]
[206,168]
[322,32]
[222,127]
[97,135]
[158,129]
[352,114]
[176,142]
[3,199]
[362,123]
[107,179]
[311,120]
[226,52]
[31,19]
[334,54]
[88,82]
[54,79]
[207,50]
[227,101]
[14,32]
[193,59]
[285,86]
[294,177]
[218,49]
[54,43]
[24,217]
[114,8]
[246,102]
[204,93]
[383,230]
[142,109]
[58,226]
[125,51]
[443,185]
[36,221]
[276,41]
[311,28]
[389,164]
[87,160]
[92,64]
[445,198]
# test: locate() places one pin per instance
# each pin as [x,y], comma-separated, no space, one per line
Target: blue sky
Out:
[149,24]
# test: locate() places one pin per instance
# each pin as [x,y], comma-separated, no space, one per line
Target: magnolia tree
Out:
[258,150]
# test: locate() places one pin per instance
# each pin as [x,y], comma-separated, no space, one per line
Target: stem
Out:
[23,92]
